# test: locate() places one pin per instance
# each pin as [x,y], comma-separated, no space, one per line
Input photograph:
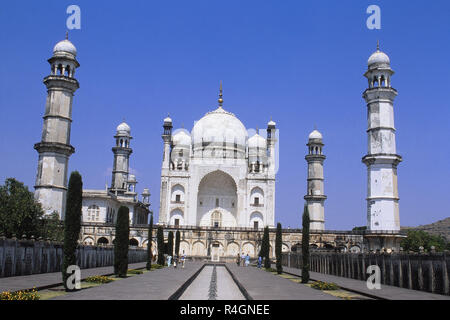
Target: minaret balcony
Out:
[54,147]
[61,81]
[311,197]
[380,158]
[379,93]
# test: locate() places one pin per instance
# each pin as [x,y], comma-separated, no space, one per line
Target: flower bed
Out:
[20,295]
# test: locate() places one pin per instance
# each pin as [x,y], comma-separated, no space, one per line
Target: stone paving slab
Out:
[47,279]
[158,284]
[386,292]
[263,285]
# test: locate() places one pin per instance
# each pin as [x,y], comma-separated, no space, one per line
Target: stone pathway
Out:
[263,285]
[386,292]
[163,283]
[43,280]
[154,285]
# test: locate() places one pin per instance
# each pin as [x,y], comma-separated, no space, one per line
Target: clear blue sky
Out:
[301,62]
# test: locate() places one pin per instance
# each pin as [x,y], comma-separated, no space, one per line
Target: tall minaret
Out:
[167,137]
[55,149]
[271,141]
[381,158]
[315,197]
[164,193]
[122,152]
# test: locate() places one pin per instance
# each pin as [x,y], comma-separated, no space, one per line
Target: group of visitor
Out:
[243,260]
[176,260]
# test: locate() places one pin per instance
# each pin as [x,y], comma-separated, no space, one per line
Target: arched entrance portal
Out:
[217,200]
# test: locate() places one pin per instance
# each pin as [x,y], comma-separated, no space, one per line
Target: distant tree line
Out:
[419,238]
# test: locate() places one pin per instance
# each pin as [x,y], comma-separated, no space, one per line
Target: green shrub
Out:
[305,245]
[320,285]
[148,266]
[160,243]
[72,224]
[157,266]
[278,248]
[121,242]
[98,279]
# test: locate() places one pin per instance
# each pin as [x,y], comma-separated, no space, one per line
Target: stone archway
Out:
[102,241]
[217,197]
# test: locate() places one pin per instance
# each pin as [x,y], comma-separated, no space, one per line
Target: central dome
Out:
[219,126]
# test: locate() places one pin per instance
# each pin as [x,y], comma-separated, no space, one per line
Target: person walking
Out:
[242,259]
[183,260]
[169,260]
[259,262]
[175,261]
[247,260]
[238,259]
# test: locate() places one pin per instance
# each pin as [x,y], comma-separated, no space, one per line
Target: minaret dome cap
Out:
[123,129]
[378,59]
[315,135]
[65,46]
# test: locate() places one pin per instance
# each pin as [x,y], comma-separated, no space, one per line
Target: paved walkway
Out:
[43,280]
[154,285]
[263,285]
[386,292]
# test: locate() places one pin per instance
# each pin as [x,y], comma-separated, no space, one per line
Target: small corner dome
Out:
[146,192]
[181,138]
[168,119]
[315,135]
[378,58]
[132,178]
[65,46]
[257,141]
[123,128]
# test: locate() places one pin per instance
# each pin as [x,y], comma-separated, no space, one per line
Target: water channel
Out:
[213,283]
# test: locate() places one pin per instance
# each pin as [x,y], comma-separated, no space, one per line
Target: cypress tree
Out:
[265,248]
[72,223]
[278,244]
[305,245]
[149,244]
[122,242]
[160,240]
[177,242]
[170,244]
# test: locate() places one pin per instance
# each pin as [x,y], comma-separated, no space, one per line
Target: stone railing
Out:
[418,271]
[25,257]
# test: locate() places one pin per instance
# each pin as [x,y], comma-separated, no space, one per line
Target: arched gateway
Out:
[217,200]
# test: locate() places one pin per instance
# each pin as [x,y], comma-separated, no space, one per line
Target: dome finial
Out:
[67,35]
[378,45]
[220,95]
